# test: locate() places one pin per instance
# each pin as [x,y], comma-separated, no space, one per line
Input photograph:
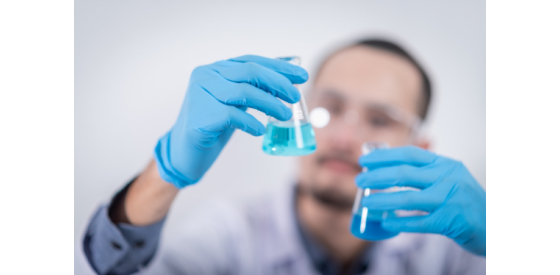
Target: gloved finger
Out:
[296,74]
[400,175]
[245,95]
[403,200]
[237,119]
[260,77]
[409,155]
[414,224]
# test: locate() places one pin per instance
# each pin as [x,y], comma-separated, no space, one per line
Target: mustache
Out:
[329,198]
[346,157]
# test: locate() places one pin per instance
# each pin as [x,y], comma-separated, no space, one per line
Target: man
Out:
[374,91]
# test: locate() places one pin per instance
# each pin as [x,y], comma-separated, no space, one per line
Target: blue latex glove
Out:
[455,201]
[217,98]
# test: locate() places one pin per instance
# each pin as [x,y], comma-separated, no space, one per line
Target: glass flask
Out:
[294,137]
[366,224]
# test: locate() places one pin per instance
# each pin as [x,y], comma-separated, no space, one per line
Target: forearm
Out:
[146,201]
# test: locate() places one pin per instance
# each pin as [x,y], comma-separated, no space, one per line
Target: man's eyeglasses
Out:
[379,122]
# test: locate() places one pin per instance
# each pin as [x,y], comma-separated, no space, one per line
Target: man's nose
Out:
[347,137]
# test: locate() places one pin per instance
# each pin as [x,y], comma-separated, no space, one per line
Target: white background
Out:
[133,60]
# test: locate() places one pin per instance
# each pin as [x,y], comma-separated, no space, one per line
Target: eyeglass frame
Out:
[412,121]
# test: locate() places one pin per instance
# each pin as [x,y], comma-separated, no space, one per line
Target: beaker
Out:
[366,224]
[294,137]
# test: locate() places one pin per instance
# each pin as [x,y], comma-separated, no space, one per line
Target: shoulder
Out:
[433,254]
[238,221]
[222,237]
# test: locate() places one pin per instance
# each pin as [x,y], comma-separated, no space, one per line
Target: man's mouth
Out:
[342,166]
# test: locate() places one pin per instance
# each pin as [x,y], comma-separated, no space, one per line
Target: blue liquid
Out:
[370,229]
[280,139]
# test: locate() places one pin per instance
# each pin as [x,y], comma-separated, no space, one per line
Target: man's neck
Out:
[330,227]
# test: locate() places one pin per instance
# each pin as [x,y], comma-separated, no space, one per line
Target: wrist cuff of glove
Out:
[165,169]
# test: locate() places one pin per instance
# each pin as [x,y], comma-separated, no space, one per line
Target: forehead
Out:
[370,75]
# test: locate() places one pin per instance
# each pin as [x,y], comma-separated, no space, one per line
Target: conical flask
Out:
[294,137]
[366,224]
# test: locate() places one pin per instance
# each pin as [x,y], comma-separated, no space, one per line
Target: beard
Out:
[329,197]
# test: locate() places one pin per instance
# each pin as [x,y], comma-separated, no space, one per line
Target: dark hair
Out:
[398,50]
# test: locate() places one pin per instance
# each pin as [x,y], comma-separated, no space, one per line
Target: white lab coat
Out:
[261,237]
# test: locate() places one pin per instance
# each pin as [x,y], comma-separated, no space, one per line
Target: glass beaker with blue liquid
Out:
[294,137]
[366,224]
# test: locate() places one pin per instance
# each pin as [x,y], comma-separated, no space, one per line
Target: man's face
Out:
[357,86]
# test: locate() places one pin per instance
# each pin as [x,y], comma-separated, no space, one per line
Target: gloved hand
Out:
[217,98]
[455,201]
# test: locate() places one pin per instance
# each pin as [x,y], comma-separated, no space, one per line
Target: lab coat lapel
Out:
[288,254]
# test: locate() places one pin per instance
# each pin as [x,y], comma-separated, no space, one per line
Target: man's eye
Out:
[379,121]
[334,110]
